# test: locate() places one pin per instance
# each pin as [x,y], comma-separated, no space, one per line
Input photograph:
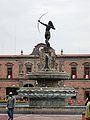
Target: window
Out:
[87,93]
[73,70]
[28,67]
[9,71]
[73,73]
[86,70]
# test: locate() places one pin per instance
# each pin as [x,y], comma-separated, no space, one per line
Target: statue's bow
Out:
[39,19]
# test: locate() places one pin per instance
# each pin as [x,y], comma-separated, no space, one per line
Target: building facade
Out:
[13,70]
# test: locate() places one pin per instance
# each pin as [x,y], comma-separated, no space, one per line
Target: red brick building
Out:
[13,70]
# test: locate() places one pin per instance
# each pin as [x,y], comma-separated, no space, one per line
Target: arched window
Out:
[9,70]
[73,70]
[86,70]
[28,67]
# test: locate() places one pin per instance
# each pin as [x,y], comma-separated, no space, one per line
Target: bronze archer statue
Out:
[47,32]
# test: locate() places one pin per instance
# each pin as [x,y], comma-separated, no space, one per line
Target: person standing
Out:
[86,101]
[87,113]
[10,106]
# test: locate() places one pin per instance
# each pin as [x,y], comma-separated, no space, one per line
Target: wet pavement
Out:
[41,117]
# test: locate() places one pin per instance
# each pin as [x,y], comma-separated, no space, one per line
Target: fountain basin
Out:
[46,96]
[48,75]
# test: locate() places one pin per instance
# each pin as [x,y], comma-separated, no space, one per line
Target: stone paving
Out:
[41,117]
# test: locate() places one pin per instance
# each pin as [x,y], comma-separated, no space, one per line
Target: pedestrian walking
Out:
[10,106]
[87,113]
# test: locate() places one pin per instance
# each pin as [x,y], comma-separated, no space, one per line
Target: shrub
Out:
[17,101]
[20,101]
[3,101]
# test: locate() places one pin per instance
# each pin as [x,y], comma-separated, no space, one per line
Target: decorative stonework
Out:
[47,58]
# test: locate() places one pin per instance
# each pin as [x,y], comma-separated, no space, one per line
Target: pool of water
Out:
[75,106]
[26,105]
[17,105]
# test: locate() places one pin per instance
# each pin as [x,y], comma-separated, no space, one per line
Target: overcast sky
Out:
[18,25]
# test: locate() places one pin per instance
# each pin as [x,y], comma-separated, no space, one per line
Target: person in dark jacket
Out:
[10,106]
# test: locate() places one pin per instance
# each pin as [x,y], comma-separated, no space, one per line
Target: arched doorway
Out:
[28,85]
[12,89]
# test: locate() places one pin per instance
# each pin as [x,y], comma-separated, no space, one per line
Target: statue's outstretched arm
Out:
[42,23]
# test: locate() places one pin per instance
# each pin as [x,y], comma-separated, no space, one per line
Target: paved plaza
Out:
[41,117]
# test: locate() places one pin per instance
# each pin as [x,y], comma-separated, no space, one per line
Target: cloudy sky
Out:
[18,25]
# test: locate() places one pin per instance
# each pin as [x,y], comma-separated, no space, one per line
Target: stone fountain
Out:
[49,90]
